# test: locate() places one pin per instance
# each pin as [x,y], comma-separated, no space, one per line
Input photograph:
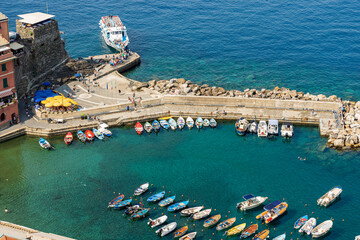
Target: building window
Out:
[5,83]
[3,67]
[2,117]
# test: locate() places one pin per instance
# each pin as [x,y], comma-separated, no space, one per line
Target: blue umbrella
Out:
[78,75]
[46,84]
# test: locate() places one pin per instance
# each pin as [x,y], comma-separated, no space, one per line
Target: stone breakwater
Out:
[180,86]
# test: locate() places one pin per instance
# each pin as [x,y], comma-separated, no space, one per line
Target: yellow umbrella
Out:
[48,105]
[49,99]
[57,104]
[44,101]
[58,97]
[67,104]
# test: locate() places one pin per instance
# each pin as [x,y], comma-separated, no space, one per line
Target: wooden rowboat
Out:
[180,231]
[250,230]
[236,230]
[116,200]
[89,135]
[202,214]
[167,201]
[81,136]
[261,235]
[280,237]
[44,144]
[140,214]
[188,236]
[212,220]
[139,128]
[301,221]
[226,224]
[68,138]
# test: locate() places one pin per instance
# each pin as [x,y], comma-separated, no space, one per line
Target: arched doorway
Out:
[2,117]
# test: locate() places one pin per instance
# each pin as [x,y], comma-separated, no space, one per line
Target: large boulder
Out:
[339,143]
[152,83]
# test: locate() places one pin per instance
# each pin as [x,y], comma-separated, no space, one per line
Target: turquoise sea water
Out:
[66,191]
[309,46]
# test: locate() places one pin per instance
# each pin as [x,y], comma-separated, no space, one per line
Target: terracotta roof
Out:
[3,17]
[3,41]
[4,237]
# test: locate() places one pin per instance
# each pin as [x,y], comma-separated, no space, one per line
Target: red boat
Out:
[89,135]
[139,128]
[68,138]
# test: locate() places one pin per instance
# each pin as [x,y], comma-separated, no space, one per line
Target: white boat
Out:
[189,211]
[357,237]
[165,230]
[180,123]
[241,126]
[189,122]
[140,190]
[202,214]
[321,229]
[213,123]
[252,127]
[105,131]
[262,130]
[148,127]
[330,197]
[114,32]
[206,122]
[173,124]
[251,202]
[199,122]
[157,222]
[273,127]
[287,129]
[308,226]
[280,237]
[188,236]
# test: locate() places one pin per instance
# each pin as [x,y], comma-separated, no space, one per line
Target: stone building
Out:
[44,49]
[8,101]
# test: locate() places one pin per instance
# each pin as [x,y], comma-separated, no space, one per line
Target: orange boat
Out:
[181,231]
[273,211]
[139,128]
[250,230]
[89,135]
[262,235]
[68,138]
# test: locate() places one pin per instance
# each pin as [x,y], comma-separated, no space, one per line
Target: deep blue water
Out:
[305,45]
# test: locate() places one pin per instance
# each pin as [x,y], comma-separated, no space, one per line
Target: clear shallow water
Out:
[309,45]
[67,190]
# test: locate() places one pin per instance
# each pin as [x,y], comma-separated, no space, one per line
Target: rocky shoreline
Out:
[344,129]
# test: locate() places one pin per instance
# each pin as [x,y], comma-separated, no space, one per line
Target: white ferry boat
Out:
[114,32]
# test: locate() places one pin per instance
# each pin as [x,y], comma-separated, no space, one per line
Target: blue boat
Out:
[123,204]
[156,126]
[164,124]
[81,136]
[140,214]
[301,221]
[98,134]
[156,197]
[44,144]
[167,201]
[178,206]
[280,237]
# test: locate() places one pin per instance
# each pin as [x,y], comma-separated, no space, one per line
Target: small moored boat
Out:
[116,200]
[287,130]
[156,197]
[89,135]
[178,206]
[157,222]
[272,211]
[167,201]
[140,190]
[139,128]
[236,230]
[250,230]
[189,122]
[156,125]
[322,229]
[68,138]
[213,123]
[250,202]
[190,211]
[262,235]
[98,134]
[188,236]
[123,204]
[329,197]
[173,124]
[181,123]
[164,124]
[241,126]
[199,122]
[202,214]
[165,230]
[226,224]
[262,130]
[273,127]
[44,144]
[300,222]
[148,128]
[140,214]
[280,237]
[206,122]
[180,231]
[212,220]
[81,136]
[253,127]
[133,209]
[105,131]
[308,226]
